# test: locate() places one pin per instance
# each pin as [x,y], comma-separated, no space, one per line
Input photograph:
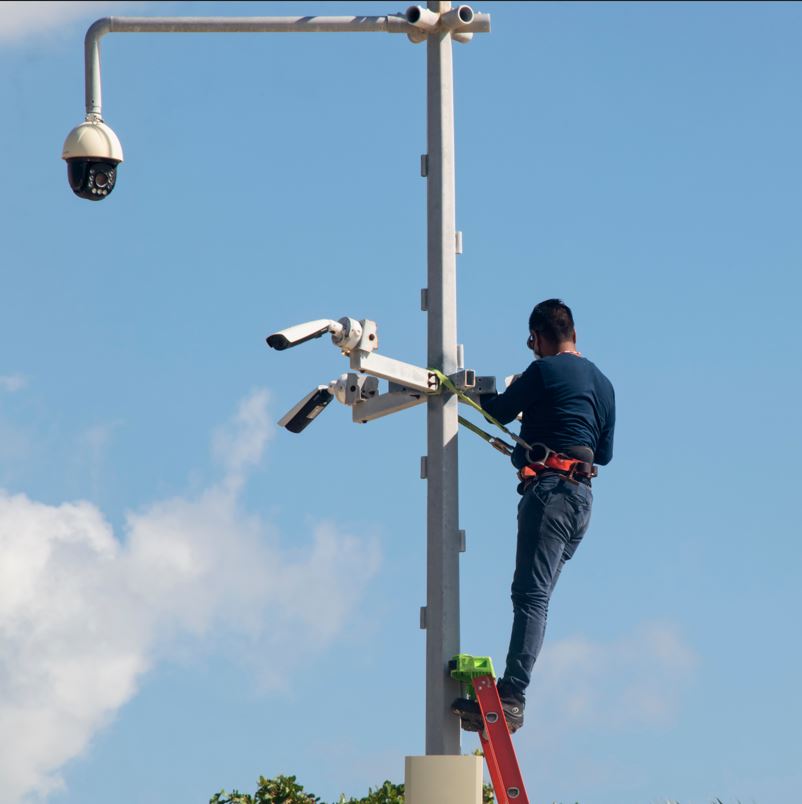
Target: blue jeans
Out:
[553,516]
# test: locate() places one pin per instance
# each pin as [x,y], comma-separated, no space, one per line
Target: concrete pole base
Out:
[443,780]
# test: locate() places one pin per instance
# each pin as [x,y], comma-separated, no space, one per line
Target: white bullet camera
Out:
[345,333]
[92,152]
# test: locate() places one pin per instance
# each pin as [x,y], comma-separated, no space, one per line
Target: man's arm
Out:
[522,393]
[604,450]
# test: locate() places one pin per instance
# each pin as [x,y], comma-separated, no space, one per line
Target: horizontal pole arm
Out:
[384,404]
[389,23]
[414,377]
[392,23]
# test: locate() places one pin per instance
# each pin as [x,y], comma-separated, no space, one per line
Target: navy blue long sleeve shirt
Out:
[566,403]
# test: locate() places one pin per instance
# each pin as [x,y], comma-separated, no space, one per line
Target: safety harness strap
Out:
[446,382]
[540,456]
[499,444]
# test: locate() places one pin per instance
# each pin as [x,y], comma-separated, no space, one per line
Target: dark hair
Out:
[553,320]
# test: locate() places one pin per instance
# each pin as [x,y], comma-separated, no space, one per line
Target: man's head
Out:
[551,327]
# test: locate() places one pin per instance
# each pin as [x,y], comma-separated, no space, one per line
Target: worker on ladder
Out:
[567,425]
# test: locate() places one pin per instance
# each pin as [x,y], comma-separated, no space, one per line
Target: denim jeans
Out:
[553,516]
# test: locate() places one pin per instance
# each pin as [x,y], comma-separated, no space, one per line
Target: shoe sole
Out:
[473,721]
[470,719]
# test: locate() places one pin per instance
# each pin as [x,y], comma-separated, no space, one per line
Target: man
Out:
[568,405]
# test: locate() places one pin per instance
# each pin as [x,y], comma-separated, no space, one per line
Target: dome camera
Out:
[92,152]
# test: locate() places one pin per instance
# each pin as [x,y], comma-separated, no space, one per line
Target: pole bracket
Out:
[464,379]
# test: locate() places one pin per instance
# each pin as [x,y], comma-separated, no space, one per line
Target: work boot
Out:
[511,702]
[469,713]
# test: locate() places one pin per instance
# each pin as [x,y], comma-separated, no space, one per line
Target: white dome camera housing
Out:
[92,152]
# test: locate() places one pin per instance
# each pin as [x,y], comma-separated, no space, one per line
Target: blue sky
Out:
[190,597]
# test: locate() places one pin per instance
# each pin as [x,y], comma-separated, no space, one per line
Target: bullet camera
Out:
[307,410]
[345,333]
[349,389]
[92,152]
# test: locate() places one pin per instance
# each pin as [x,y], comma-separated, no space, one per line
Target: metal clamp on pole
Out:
[456,19]
[464,379]
[461,22]
[424,21]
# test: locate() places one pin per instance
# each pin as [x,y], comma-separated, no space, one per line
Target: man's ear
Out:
[573,336]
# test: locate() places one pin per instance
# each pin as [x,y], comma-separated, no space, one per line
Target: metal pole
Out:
[442,520]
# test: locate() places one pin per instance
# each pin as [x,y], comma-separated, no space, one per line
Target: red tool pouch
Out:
[543,458]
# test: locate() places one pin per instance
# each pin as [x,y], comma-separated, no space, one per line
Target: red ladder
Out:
[497,744]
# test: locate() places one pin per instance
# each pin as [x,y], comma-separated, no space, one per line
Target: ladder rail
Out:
[502,762]
[493,768]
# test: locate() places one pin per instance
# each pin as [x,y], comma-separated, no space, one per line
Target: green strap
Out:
[501,446]
[447,383]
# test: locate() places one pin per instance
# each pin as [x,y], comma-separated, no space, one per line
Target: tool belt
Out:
[542,458]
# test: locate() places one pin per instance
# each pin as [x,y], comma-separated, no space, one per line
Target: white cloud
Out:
[11,383]
[239,444]
[90,452]
[24,20]
[83,615]
[636,680]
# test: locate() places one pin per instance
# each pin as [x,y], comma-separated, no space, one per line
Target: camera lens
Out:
[90,178]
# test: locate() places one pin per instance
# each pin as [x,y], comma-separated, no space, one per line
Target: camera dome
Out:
[93,139]
[92,152]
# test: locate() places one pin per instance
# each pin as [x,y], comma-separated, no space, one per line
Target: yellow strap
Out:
[499,444]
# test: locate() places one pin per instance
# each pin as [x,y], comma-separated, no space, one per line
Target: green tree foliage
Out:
[281,790]
[388,793]
[286,790]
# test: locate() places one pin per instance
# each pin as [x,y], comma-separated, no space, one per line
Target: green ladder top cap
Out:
[465,668]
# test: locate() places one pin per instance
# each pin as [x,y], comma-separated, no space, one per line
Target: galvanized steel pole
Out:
[442,519]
